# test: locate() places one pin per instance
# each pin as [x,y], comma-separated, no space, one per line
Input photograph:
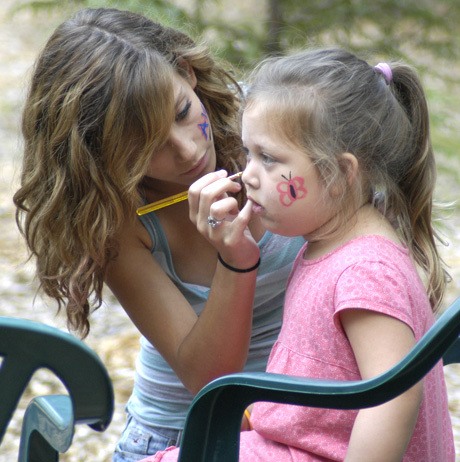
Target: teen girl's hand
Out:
[196,347]
[218,219]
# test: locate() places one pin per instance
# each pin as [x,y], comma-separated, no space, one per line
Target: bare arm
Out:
[197,348]
[381,433]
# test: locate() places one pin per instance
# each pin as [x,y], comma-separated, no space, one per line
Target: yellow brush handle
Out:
[172,199]
[162,203]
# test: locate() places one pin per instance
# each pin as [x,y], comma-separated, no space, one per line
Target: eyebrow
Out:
[180,97]
[258,146]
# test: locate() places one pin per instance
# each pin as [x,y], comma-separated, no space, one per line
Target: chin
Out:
[212,163]
[273,226]
[282,229]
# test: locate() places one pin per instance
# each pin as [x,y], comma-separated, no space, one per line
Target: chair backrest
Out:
[25,347]
[213,422]
[452,355]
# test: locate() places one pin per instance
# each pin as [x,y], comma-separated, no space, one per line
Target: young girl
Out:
[339,152]
[121,112]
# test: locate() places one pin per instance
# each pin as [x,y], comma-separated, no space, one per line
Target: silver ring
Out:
[213,222]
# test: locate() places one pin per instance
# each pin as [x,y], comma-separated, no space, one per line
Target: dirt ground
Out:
[113,336]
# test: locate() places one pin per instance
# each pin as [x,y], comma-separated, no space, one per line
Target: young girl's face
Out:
[189,151]
[281,180]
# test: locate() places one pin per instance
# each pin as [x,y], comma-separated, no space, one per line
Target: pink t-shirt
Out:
[370,273]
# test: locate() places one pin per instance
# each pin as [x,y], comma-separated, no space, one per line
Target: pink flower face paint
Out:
[204,125]
[291,190]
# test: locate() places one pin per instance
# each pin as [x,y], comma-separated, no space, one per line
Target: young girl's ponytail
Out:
[418,181]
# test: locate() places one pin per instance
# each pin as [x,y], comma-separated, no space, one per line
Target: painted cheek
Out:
[204,125]
[291,190]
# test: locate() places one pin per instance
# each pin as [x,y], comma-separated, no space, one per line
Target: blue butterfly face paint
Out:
[205,124]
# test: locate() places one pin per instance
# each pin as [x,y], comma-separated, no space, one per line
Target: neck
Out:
[154,189]
[365,219]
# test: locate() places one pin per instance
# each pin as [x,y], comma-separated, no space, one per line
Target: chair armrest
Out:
[213,423]
[48,421]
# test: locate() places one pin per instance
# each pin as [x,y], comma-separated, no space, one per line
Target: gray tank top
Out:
[159,398]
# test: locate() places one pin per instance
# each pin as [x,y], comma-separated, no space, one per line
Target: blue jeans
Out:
[139,441]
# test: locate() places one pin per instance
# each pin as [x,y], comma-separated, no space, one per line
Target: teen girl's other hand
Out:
[231,236]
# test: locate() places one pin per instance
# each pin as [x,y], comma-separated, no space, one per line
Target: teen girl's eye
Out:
[184,112]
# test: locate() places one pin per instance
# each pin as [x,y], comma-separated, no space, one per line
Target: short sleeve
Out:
[375,286]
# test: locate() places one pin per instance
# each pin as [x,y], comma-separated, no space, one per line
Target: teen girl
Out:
[123,111]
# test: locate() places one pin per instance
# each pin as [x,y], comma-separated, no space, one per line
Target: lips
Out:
[256,207]
[198,167]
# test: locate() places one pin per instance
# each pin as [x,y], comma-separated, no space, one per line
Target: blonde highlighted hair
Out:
[100,103]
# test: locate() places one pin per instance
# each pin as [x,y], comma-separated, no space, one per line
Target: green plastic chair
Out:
[212,427]
[49,421]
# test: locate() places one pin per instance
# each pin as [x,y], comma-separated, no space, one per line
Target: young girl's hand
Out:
[208,198]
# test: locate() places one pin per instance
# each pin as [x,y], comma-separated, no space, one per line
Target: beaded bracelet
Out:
[237,270]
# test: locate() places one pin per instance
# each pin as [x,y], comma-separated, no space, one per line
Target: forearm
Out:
[198,348]
[218,342]
[382,433]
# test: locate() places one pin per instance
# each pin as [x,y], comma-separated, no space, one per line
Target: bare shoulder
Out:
[133,260]
[133,233]
[139,282]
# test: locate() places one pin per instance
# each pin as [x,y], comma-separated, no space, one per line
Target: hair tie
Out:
[238,270]
[385,70]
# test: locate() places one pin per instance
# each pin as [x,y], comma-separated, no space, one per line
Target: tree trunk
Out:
[275,24]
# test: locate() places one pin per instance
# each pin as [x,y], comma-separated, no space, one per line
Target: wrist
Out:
[238,270]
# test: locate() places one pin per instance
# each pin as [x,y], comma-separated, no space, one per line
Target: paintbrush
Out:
[172,199]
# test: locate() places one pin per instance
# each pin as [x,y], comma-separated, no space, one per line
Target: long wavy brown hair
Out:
[100,102]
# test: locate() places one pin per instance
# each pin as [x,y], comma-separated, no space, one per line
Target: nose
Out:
[183,145]
[249,176]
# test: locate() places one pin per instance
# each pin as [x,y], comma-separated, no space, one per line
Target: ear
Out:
[187,71]
[350,166]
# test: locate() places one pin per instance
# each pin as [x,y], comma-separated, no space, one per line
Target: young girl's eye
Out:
[267,160]
[262,157]
[184,112]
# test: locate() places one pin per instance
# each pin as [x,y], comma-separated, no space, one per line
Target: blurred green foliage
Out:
[421,32]
[390,28]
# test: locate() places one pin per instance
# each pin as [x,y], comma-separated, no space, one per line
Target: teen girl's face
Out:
[189,151]
[281,180]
